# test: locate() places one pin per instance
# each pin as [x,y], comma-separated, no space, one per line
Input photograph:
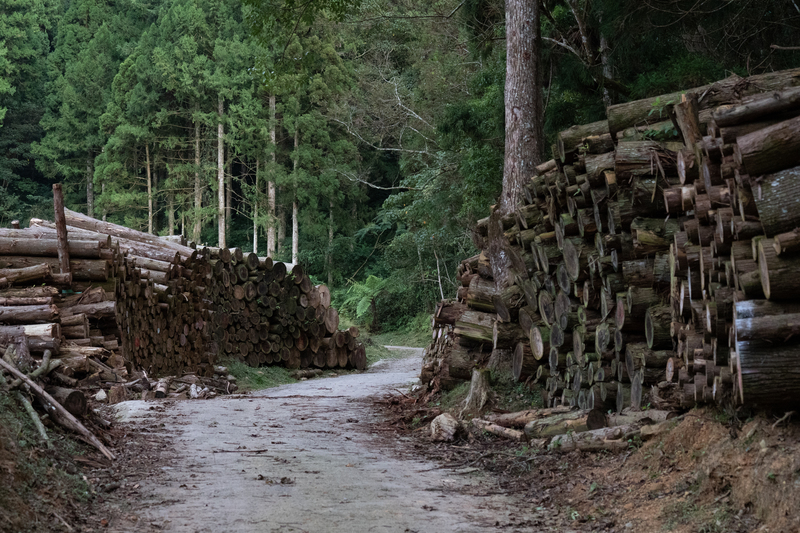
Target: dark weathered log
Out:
[481,294]
[61,228]
[25,314]
[73,400]
[787,243]
[755,108]
[500,431]
[775,196]
[48,247]
[779,275]
[475,327]
[771,149]
[687,114]
[730,89]
[520,418]
[558,424]
[524,364]
[642,158]
[777,328]
[82,269]
[767,373]
[571,139]
[609,439]
[657,327]
[82,221]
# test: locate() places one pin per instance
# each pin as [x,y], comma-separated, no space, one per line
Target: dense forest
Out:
[361,139]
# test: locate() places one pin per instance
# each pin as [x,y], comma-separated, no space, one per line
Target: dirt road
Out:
[308,457]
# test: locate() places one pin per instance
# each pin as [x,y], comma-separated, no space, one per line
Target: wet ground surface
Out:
[312,456]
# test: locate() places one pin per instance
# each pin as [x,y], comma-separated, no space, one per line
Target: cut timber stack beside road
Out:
[644,271]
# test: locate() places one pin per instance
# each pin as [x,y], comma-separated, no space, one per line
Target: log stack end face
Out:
[691,233]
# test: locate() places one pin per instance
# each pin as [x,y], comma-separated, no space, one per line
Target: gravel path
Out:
[307,457]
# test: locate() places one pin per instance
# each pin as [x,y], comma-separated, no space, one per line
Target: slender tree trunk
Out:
[255,212]
[295,226]
[608,72]
[329,255]
[149,190]
[220,176]
[198,186]
[103,192]
[171,212]
[281,228]
[90,184]
[228,188]
[523,99]
[271,182]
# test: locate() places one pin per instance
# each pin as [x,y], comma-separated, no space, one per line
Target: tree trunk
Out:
[295,214]
[329,254]
[149,190]
[523,100]
[61,229]
[90,184]
[198,186]
[228,188]
[255,211]
[271,219]
[171,211]
[220,175]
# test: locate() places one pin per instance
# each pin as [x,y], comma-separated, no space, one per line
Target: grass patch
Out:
[376,352]
[703,519]
[415,339]
[249,378]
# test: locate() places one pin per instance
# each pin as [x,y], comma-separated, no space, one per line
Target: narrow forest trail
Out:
[306,457]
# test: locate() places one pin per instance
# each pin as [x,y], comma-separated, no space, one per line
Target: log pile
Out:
[171,301]
[640,271]
[265,314]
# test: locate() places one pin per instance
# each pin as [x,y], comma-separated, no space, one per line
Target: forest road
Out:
[307,457]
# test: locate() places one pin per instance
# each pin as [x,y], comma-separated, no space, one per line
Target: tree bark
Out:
[149,190]
[90,183]
[625,115]
[61,229]
[523,100]
[220,175]
[271,218]
[198,185]
[295,214]
[771,149]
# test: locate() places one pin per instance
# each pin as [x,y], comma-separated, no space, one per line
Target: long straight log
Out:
[80,220]
[48,247]
[81,269]
[771,149]
[730,89]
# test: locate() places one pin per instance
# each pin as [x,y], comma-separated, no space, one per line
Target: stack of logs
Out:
[163,303]
[267,314]
[645,271]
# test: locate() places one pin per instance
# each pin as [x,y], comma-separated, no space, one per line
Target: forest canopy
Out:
[362,139]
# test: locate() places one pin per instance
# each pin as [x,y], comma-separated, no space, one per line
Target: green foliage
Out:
[397,109]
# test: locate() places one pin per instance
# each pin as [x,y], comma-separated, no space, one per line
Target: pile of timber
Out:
[173,300]
[641,271]
[268,314]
